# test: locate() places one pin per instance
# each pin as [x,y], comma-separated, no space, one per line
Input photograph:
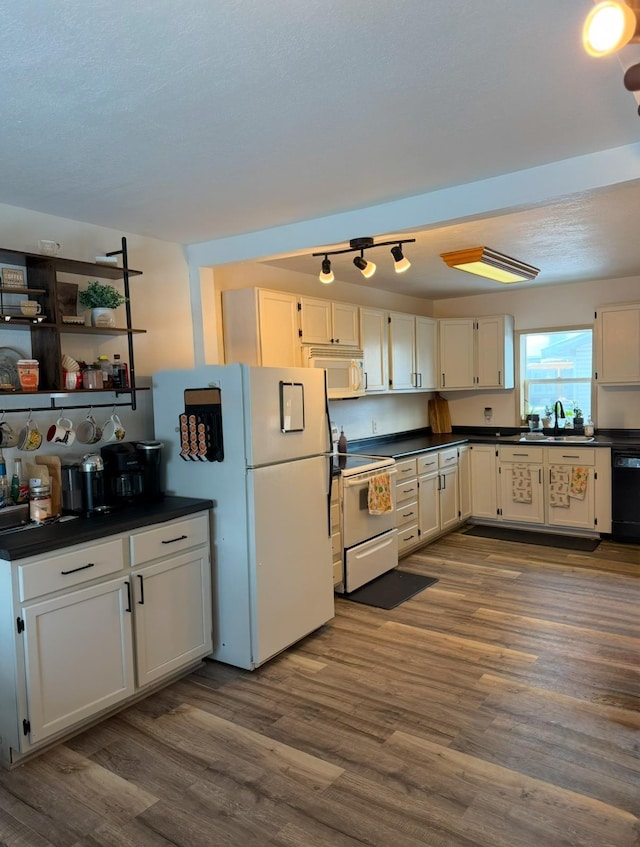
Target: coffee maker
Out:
[150,458]
[91,472]
[124,478]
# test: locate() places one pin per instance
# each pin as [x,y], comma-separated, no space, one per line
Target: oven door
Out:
[357,524]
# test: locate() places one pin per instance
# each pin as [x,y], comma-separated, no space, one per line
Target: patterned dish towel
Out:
[579,479]
[379,499]
[521,484]
[559,482]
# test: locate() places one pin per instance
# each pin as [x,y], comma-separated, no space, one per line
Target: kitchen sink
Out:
[556,438]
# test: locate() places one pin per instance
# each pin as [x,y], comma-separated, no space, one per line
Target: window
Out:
[556,366]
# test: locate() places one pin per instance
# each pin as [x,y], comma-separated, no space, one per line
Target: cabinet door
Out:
[483,466]
[376,350]
[78,656]
[449,508]
[316,321]
[279,341]
[172,614]
[429,505]
[511,510]
[402,343]
[346,325]
[490,344]
[427,353]
[464,481]
[580,514]
[618,344]
[456,353]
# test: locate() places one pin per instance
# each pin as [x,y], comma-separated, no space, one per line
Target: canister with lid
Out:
[92,377]
[39,502]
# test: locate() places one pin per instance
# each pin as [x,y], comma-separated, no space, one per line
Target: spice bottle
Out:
[120,373]
[107,371]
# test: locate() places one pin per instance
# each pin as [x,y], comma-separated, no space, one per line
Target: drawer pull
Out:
[173,540]
[81,568]
[408,537]
[141,600]
[408,490]
[407,514]
[407,470]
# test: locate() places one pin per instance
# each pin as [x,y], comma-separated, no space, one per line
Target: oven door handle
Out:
[360,479]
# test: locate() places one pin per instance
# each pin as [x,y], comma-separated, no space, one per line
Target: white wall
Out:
[549,307]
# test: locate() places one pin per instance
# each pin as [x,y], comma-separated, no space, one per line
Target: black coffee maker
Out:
[123,474]
[150,458]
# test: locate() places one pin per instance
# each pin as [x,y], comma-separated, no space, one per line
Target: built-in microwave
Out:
[344,367]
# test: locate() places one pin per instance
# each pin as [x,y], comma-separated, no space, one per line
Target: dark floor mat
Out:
[544,539]
[390,589]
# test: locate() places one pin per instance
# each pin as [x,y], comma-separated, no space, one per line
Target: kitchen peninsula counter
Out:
[36,539]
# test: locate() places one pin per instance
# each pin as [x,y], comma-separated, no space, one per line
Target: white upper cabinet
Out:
[412,352]
[375,346]
[618,344]
[261,327]
[326,322]
[476,352]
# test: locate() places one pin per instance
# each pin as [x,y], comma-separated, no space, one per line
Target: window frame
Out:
[519,398]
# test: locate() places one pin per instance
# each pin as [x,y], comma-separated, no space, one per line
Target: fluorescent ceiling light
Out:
[485,262]
[608,27]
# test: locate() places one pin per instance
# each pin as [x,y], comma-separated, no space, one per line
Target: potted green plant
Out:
[578,416]
[102,299]
[546,418]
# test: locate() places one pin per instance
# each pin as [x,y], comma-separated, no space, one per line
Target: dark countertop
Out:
[408,444]
[36,539]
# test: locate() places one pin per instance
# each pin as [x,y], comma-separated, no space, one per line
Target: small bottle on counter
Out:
[342,442]
[589,428]
[39,501]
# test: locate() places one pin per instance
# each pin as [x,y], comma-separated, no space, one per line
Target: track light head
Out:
[609,26]
[326,274]
[399,262]
[367,269]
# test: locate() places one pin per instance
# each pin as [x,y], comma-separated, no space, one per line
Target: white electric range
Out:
[370,542]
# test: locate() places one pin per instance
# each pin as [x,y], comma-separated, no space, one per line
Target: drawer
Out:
[73,567]
[522,453]
[407,513]
[335,516]
[428,463]
[408,537]
[405,469]
[406,490]
[336,544]
[169,538]
[447,457]
[570,455]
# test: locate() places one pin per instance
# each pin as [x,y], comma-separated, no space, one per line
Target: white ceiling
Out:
[200,120]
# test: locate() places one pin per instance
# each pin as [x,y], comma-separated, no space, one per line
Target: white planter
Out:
[103,317]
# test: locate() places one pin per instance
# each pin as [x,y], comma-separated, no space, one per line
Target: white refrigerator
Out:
[255,441]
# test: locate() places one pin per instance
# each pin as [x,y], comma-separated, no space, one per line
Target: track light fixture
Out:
[399,262]
[610,25]
[326,274]
[366,268]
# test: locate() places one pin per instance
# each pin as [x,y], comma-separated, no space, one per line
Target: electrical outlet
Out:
[374,426]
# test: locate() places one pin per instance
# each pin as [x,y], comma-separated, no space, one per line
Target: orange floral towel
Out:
[579,479]
[379,500]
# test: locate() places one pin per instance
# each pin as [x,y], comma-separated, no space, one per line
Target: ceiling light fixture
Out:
[485,262]
[366,268]
[326,274]
[611,25]
[399,262]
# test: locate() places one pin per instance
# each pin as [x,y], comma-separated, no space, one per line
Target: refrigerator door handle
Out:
[330,467]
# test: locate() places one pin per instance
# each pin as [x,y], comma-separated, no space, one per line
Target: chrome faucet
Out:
[555,413]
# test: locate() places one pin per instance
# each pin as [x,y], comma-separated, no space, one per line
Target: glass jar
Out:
[40,503]
[107,371]
[92,377]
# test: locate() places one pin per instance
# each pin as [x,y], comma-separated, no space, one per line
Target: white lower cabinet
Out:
[521,492]
[87,628]
[563,486]
[428,500]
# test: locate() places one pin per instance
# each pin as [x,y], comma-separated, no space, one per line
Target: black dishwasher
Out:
[625,494]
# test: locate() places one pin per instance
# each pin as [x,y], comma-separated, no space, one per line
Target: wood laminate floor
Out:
[500,707]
